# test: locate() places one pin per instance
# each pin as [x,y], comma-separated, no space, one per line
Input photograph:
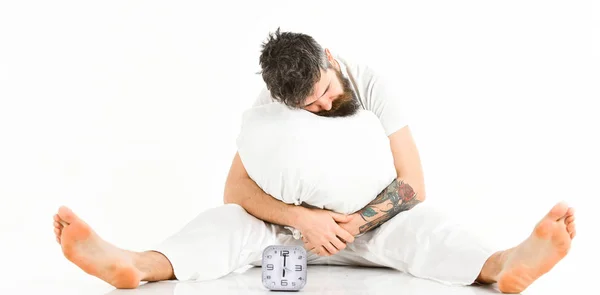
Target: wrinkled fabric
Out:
[422,242]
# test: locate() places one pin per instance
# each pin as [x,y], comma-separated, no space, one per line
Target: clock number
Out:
[269,266]
[285,252]
[284,282]
[298,267]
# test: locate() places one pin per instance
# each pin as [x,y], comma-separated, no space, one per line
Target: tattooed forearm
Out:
[397,197]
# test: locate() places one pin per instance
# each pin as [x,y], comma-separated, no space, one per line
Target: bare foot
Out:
[82,246]
[547,245]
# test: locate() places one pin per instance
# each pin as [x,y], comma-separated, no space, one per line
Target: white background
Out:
[127,111]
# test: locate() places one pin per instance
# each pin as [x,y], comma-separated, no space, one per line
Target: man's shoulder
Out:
[363,74]
[372,81]
[359,69]
[365,79]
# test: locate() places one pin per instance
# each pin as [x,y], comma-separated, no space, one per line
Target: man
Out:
[410,238]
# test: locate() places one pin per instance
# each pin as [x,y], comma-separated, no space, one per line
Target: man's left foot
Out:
[549,242]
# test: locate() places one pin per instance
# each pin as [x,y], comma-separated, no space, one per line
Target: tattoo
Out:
[397,197]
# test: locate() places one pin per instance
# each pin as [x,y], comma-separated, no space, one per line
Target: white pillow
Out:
[340,164]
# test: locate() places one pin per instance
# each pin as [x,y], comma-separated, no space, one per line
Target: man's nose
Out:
[325,103]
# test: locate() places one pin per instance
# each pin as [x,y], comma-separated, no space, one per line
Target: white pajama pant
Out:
[421,242]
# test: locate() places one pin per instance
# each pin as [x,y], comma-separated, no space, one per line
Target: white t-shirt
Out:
[375,93]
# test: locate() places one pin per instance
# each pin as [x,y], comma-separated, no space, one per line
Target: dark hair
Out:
[291,64]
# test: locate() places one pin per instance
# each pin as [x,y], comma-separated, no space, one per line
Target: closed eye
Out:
[326,89]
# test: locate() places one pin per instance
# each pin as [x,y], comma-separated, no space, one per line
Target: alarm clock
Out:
[284,267]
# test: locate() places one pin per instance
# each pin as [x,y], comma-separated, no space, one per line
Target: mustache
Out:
[345,105]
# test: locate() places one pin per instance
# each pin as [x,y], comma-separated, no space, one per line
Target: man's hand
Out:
[397,197]
[351,225]
[321,232]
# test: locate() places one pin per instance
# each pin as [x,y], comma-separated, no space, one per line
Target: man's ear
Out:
[329,55]
[331,59]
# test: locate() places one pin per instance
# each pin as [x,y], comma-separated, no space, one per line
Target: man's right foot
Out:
[549,243]
[82,246]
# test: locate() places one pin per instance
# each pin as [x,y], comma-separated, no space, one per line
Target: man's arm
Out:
[405,192]
[407,160]
[242,190]
[399,196]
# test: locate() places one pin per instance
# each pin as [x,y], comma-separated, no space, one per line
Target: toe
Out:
[571,227]
[66,214]
[571,211]
[58,225]
[573,233]
[59,220]
[57,231]
[558,211]
[569,219]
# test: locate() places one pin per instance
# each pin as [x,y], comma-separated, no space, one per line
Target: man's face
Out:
[333,96]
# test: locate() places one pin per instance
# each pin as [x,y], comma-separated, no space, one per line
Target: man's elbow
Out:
[230,193]
[235,178]
[414,185]
[420,193]
[229,197]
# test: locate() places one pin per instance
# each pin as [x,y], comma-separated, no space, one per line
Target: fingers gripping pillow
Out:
[340,164]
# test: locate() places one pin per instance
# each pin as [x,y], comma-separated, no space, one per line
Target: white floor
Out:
[321,280]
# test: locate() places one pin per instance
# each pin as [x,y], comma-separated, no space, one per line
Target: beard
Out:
[344,105]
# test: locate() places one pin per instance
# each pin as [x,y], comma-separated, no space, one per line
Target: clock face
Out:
[284,267]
